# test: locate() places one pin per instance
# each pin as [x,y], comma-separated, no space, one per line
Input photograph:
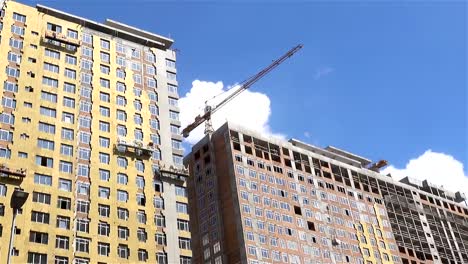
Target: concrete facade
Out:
[261,200]
[90,129]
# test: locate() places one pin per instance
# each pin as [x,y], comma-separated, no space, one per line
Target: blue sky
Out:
[384,80]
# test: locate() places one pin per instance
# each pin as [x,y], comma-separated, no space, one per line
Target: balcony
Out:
[136,146]
[7,172]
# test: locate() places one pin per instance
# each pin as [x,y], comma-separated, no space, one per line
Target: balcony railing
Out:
[174,173]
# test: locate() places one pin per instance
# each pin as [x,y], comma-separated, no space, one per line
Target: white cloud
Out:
[437,168]
[249,109]
[321,72]
[307,134]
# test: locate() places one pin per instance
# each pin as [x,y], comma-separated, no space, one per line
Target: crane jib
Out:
[249,82]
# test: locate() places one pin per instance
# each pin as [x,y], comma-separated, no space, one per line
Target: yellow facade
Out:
[382,244]
[26,133]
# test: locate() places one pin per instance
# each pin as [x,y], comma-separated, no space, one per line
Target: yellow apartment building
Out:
[89,129]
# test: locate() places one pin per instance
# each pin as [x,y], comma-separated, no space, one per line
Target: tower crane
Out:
[209,110]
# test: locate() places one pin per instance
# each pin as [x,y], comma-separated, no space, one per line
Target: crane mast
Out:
[244,86]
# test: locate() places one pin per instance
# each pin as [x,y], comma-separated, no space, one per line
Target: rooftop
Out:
[113,28]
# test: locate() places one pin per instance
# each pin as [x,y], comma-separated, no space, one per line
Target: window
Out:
[50,82]
[184,243]
[150,57]
[160,239]
[123,232]
[13,57]
[46,128]
[16,43]
[158,202]
[104,111]
[122,178]
[40,217]
[8,102]
[68,102]
[121,115]
[6,135]
[121,87]
[150,82]
[176,144]
[105,97]
[65,167]
[136,53]
[42,179]
[103,249]
[85,137]
[69,88]
[122,213]
[141,217]
[137,78]
[182,225]
[180,191]
[105,44]
[120,48]
[51,67]
[122,196]
[122,162]
[82,244]
[53,27]
[105,57]
[70,60]
[65,185]
[61,260]
[64,203]
[86,64]
[104,192]
[39,197]
[17,30]
[68,118]
[161,258]
[12,72]
[173,101]
[140,182]
[181,208]
[160,220]
[5,153]
[62,242]
[150,70]
[171,76]
[142,255]
[19,17]
[174,115]
[69,73]
[37,258]
[170,63]
[136,66]
[120,73]
[63,222]
[104,142]
[82,225]
[44,161]
[120,61]
[52,53]
[123,251]
[51,97]
[104,175]
[83,207]
[87,38]
[86,78]
[121,100]
[104,210]
[7,118]
[141,235]
[67,133]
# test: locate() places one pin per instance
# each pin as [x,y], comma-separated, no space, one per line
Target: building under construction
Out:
[258,199]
